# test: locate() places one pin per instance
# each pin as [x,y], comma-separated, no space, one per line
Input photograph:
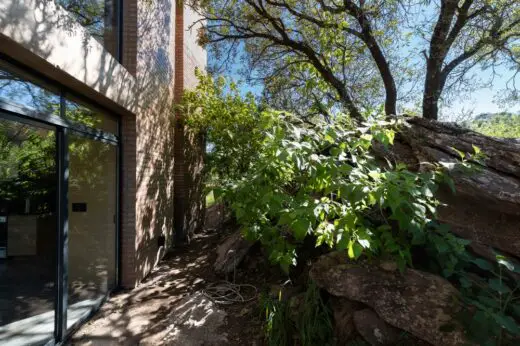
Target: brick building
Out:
[97,177]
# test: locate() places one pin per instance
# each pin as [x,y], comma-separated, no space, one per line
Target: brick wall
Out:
[128,205]
[154,51]
[193,56]
[189,200]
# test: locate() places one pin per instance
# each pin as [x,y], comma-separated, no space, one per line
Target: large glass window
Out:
[99,17]
[28,239]
[89,116]
[58,208]
[92,223]
[19,91]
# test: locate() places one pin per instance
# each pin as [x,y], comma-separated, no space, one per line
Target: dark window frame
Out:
[62,126]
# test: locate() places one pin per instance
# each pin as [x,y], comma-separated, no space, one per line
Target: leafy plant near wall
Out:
[298,180]
[233,125]
[311,325]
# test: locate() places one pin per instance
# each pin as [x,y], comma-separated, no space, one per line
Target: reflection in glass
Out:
[89,116]
[19,91]
[92,210]
[27,233]
[99,17]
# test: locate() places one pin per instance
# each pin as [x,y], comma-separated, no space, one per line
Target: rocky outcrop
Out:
[343,311]
[486,205]
[374,330]
[231,252]
[417,302]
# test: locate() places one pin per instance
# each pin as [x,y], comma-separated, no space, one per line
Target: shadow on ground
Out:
[144,315]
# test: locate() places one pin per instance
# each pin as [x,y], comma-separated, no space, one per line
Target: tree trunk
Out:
[486,205]
[431,100]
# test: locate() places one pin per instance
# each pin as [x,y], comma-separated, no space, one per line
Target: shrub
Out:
[287,180]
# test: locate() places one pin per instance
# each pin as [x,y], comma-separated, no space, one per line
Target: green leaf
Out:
[483,264]
[465,283]
[502,260]
[350,249]
[418,238]
[372,200]
[374,175]
[300,228]
[365,243]
[508,323]
[499,286]
[460,153]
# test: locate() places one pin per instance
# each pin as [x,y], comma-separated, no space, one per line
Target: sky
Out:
[483,100]
[480,101]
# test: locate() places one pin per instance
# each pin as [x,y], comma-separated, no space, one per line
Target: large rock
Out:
[231,252]
[374,330]
[343,311]
[486,206]
[417,302]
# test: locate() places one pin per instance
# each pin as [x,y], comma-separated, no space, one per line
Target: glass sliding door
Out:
[28,229]
[92,224]
[58,208]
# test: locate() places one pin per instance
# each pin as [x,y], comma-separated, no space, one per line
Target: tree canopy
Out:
[327,55]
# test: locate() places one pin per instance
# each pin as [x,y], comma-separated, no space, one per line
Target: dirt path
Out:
[144,315]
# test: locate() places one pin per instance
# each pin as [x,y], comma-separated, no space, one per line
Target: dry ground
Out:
[143,315]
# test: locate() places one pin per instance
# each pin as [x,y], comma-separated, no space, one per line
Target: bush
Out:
[287,181]
[311,324]
[504,125]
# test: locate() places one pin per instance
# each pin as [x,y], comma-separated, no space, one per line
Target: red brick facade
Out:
[160,196]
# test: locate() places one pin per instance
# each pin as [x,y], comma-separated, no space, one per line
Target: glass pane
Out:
[17,90]
[99,17]
[27,233]
[89,116]
[92,210]
[20,91]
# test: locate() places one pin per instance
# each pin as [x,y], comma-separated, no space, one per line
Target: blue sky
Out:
[481,100]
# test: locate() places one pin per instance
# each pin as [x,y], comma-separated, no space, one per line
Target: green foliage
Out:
[311,322]
[314,323]
[278,328]
[490,296]
[27,165]
[233,125]
[321,182]
[499,125]
[210,199]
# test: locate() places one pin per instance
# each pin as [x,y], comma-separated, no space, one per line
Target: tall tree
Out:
[356,51]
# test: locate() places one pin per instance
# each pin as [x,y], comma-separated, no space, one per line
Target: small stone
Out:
[388,266]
